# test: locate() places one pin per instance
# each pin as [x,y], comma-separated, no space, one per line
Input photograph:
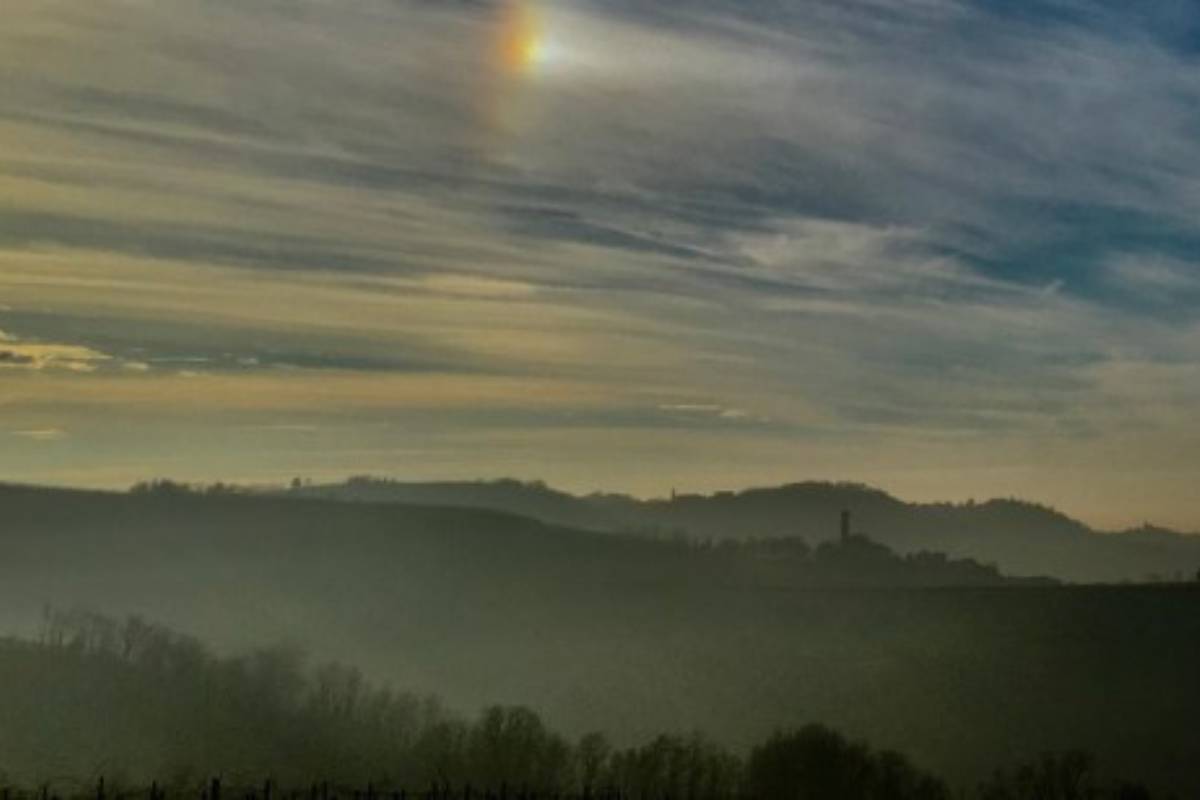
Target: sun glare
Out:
[535,52]
[522,45]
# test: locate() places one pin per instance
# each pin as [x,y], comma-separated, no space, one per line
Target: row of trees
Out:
[136,702]
[854,561]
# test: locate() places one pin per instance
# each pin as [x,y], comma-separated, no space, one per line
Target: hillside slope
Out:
[630,636]
[1019,538]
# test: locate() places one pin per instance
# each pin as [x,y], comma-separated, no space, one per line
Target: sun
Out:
[535,52]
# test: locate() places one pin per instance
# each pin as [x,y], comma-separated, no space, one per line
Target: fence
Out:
[215,789]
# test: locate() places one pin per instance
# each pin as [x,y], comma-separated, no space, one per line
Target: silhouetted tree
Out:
[592,755]
[816,762]
[1065,776]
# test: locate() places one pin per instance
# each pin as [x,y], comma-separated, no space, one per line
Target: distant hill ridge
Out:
[1020,537]
[160,520]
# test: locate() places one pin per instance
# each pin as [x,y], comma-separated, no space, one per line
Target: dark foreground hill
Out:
[100,707]
[1020,538]
[629,636]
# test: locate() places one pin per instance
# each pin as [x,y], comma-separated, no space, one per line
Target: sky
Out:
[951,249]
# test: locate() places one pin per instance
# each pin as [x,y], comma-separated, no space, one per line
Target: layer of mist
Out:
[97,707]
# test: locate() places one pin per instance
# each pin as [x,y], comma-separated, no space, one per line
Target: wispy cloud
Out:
[17,355]
[42,434]
[1152,275]
[952,230]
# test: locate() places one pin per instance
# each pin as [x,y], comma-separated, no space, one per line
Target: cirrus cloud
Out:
[958,235]
[38,356]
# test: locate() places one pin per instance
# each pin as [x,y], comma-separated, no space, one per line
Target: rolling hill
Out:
[1020,538]
[634,636]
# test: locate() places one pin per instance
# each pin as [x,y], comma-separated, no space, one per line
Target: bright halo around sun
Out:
[523,46]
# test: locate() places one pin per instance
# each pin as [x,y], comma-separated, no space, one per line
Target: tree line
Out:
[135,702]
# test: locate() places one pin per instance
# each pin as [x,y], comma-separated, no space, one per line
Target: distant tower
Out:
[845,526]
